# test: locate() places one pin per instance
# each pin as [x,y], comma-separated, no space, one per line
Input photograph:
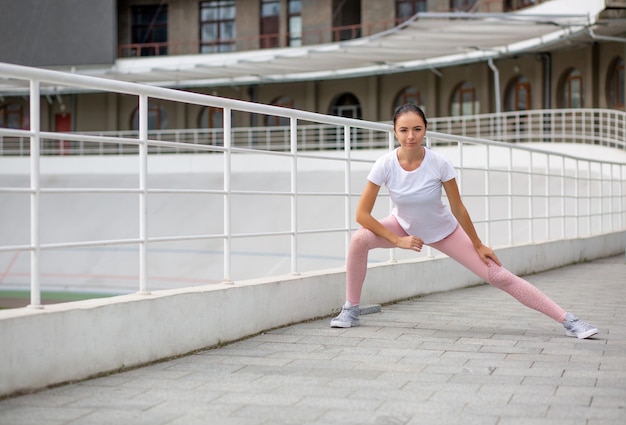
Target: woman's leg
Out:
[459,247]
[356,264]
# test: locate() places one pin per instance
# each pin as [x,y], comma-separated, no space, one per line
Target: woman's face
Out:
[410,130]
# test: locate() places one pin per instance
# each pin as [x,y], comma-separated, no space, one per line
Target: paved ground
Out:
[471,356]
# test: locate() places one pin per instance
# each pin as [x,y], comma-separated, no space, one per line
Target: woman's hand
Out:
[410,242]
[486,254]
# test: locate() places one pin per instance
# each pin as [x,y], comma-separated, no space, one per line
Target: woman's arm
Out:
[364,218]
[460,212]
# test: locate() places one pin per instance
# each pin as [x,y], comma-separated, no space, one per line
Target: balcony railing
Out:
[604,127]
[307,37]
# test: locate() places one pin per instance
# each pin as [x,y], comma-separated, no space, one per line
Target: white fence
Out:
[515,193]
[604,127]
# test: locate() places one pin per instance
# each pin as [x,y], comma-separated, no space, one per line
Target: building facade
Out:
[583,75]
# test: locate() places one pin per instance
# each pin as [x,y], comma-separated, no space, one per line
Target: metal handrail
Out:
[599,192]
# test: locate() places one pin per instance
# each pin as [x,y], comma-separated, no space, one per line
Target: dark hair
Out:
[409,107]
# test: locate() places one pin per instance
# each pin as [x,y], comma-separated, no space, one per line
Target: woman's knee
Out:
[362,237]
[499,276]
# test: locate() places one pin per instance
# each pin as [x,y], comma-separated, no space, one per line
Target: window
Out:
[217,26]
[518,95]
[511,5]
[295,23]
[464,101]
[346,19]
[270,23]
[615,84]
[408,95]
[157,118]
[462,5]
[571,90]
[407,8]
[12,116]
[211,117]
[149,29]
[346,105]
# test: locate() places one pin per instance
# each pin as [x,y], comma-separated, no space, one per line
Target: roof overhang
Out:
[425,41]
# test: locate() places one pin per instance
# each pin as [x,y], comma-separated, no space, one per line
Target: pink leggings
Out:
[456,246]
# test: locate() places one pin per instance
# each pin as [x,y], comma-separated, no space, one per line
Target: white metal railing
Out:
[519,194]
[604,127]
[275,138]
[551,196]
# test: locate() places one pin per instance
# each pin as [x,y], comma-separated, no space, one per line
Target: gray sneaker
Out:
[576,327]
[349,317]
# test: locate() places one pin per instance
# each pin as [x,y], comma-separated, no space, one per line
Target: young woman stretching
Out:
[414,177]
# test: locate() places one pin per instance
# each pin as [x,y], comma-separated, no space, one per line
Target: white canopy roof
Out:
[426,41]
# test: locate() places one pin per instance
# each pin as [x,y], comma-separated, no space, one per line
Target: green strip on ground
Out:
[15,298]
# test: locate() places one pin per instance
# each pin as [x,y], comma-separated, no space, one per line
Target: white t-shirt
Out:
[416,195]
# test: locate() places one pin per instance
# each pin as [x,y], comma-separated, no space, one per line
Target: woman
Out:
[414,177]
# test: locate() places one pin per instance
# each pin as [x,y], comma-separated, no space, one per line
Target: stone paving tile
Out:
[471,356]
[36,415]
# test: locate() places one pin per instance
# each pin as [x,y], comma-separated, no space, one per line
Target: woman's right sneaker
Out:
[576,327]
[349,317]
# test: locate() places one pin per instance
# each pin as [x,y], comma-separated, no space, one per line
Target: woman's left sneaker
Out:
[576,327]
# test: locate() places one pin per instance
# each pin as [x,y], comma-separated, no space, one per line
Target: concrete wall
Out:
[60,32]
[74,341]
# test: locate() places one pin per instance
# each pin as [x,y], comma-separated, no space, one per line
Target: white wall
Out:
[70,341]
[73,341]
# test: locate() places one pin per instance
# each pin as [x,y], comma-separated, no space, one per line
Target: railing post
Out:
[391,139]
[429,249]
[531,221]
[488,195]
[143,194]
[548,197]
[35,185]
[227,196]
[589,197]
[510,197]
[622,196]
[576,197]
[563,199]
[347,186]
[293,142]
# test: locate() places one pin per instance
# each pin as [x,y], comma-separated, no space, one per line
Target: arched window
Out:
[12,116]
[463,101]
[615,84]
[272,120]
[409,94]
[157,118]
[517,97]
[211,117]
[571,90]
[346,105]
